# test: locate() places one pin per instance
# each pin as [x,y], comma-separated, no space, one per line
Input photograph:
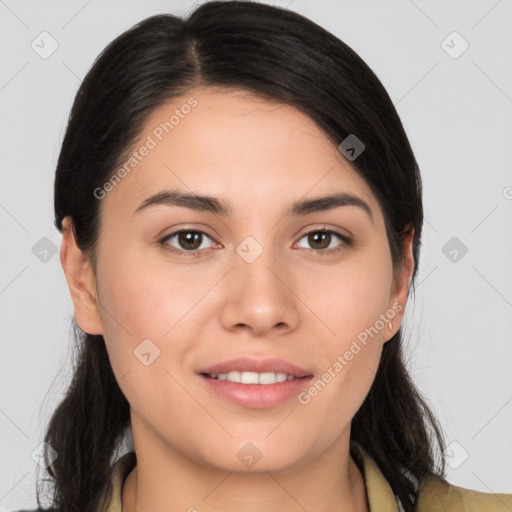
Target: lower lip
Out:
[257,396]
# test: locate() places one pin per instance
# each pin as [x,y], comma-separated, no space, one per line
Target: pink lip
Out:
[257,396]
[248,364]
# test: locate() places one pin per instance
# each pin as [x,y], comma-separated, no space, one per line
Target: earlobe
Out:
[401,282]
[81,281]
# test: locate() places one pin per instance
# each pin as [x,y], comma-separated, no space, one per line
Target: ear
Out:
[401,282]
[81,281]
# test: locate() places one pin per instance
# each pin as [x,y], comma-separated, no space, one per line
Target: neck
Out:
[172,483]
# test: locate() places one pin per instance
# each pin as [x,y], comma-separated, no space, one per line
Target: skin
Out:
[292,302]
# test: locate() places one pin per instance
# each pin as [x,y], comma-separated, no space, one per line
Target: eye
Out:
[189,241]
[321,240]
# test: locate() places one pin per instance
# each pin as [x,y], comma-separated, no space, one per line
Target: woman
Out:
[241,215]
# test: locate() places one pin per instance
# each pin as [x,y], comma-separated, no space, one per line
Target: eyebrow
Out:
[220,207]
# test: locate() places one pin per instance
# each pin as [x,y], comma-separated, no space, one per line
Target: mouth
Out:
[255,390]
[257,383]
[249,370]
[264,378]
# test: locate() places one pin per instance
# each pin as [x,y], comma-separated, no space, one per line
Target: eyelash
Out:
[347,242]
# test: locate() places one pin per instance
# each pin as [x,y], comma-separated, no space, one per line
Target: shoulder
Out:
[438,495]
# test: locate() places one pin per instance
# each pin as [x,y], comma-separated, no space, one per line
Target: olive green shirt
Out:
[434,495]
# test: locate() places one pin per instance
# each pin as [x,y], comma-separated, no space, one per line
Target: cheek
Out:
[145,296]
[352,296]
[140,307]
[353,302]
[131,304]
[149,299]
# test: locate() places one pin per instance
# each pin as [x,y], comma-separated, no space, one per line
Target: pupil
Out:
[326,237]
[186,239]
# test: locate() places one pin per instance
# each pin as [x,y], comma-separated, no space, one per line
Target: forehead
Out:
[233,145]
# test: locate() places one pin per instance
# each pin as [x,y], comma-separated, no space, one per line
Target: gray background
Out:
[456,110]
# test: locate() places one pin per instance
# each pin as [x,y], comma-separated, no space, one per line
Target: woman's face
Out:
[312,286]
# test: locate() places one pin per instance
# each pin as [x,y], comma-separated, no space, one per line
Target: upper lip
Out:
[248,364]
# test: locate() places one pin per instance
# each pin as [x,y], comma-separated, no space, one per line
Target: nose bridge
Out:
[250,249]
[256,266]
[257,295]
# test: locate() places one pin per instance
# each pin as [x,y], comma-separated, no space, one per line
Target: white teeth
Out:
[253,377]
[248,378]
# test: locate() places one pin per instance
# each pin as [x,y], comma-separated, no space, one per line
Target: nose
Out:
[259,296]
